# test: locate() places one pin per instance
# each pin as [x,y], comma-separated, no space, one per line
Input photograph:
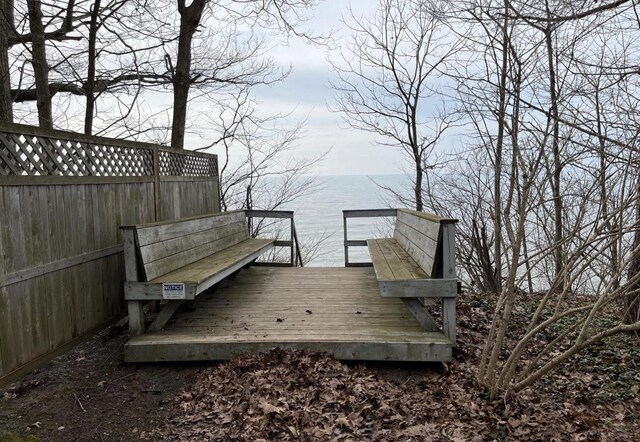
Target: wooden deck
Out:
[333,310]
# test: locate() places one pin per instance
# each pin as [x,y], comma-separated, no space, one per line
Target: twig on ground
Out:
[79,403]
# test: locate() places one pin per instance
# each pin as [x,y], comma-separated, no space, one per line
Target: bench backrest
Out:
[419,234]
[164,247]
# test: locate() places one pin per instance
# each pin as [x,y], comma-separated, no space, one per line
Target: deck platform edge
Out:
[361,351]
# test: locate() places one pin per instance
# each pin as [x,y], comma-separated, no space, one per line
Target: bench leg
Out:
[449,319]
[136,317]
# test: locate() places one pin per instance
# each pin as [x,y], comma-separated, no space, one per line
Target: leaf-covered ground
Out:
[90,394]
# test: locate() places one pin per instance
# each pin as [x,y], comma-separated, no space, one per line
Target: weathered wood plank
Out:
[162,266]
[429,216]
[33,272]
[391,251]
[158,250]
[421,248]
[6,333]
[37,251]
[201,270]
[449,319]
[414,221]
[345,350]
[135,311]
[145,291]
[419,288]
[380,264]
[448,251]
[368,213]
[269,214]
[165,230]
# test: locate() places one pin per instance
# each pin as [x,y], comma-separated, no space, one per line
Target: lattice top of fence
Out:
[32,151]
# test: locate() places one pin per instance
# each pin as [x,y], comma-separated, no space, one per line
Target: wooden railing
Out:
[363,213]
[292,243]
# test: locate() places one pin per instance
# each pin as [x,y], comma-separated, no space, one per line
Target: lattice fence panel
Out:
[182,164]
[37,155]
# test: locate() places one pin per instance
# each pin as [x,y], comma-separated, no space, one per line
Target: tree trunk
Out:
[189,21]
[40,66]
[558,256]
[91,70]
[6,26]
[418,187]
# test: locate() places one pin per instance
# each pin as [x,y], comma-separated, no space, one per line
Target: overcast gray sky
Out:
[307,92]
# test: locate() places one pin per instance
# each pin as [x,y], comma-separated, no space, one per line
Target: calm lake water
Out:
[320,214]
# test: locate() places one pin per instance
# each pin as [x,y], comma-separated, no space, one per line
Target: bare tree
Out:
[6,26]
[40,65]
[386,80]
[257,167]
[566,153]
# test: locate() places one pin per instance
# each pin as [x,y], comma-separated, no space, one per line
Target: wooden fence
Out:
[63,197]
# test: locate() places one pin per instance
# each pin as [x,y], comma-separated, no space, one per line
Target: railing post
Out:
[360,213]
[449,272]
[292,229]
[297,245]
[346,238]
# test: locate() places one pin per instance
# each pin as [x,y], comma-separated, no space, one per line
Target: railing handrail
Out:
[292,243]
[269,213]
[360,213]
[369,213]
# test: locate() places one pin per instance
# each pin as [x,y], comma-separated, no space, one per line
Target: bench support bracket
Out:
[418,310]
[163,317]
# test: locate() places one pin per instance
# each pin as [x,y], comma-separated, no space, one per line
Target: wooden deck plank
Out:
[267,307]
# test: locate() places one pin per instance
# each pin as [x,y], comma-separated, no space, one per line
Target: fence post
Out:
[156,184]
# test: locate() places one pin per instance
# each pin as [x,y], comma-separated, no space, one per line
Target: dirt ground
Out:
[91,394]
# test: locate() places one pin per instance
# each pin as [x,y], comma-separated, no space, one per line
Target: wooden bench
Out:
[418,263]
[177,260]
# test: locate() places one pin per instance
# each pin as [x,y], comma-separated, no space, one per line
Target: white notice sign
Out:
[173,290]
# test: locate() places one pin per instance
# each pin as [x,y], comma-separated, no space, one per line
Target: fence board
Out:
[63,197]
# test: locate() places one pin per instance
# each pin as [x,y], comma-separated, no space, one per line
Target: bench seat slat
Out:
[201,270]
[391,262]
[398,266]
[380,265]
[201,274]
